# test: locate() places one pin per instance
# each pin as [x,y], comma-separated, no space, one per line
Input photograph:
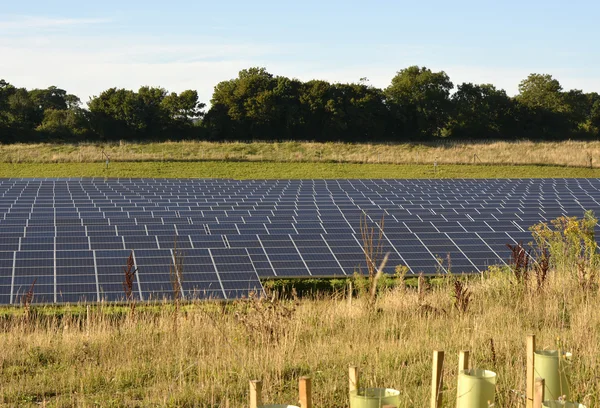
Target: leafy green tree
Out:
[593,117]
[183,108]
[22,111]
[115,114]
[53,98]
[363,114]
[65,124]
[547,111]
[152,118]
[420,101]
[541,91]
[255,105]
[316,109]
[148,113]
[6,90]
[481,111]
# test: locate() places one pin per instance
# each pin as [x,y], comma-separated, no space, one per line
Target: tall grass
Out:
[566,153]
[116,360]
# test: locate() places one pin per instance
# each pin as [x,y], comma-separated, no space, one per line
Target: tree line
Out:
[419,104]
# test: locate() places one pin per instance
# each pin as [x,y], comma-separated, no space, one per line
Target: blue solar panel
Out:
[75,235]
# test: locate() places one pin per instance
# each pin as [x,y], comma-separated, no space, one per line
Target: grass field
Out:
[206,354]
[567,153]
[270,170]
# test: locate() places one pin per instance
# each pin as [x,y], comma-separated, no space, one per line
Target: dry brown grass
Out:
[567,153]
[114,360]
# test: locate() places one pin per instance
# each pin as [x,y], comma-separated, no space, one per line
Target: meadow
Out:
[563,153]
[303,160]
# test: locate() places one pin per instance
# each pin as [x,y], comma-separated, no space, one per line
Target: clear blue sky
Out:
[86,47]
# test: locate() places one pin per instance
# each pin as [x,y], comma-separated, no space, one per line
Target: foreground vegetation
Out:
[204,354]
[141,359]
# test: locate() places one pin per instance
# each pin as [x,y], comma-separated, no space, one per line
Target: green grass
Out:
[272,170]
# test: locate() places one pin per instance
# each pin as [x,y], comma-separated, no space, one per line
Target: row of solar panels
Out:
[72,237]
[166,227]
[90,276]
[216,208]
[372,183]
[230,266]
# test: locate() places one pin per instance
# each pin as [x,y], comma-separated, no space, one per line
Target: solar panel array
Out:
[74,235]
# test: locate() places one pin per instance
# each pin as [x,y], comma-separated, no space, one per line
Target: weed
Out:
[569,244]
[400,273]
[375,280]
[520,262]
[176,279]
[372,244]
[541,267]
[264,318]
[129,271]
[26,300]
[461,296]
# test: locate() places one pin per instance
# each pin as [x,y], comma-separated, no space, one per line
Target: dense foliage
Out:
[419,104]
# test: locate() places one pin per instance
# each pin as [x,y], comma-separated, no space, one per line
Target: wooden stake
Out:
[463,364]
[305,388]
[437,379]
[255,393]
[463,360]
[349,293]
[530,370]
[353,378]
[87,319]
[538,396]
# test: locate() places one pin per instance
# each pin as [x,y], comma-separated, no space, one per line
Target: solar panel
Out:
[74,235]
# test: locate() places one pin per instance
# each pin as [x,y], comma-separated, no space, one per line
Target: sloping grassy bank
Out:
[563,153]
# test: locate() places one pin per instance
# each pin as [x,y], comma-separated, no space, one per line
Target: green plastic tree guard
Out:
[476,388]
[562,404]
[374,397]
[555,371]
[278,406]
